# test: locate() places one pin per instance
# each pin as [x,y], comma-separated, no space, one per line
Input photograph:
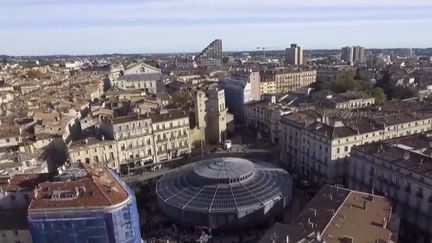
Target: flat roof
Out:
[168,116]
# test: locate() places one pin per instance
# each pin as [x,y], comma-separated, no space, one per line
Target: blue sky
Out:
[40,27]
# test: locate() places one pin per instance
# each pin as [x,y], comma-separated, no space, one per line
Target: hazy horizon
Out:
[50,27]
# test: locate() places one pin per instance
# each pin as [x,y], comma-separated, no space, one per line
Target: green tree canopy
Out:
[379,94]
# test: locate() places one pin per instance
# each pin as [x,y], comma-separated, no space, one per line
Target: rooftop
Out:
[168,115]
[23,181]
[130,118]
[337,214]
[224,169]
[336,123]
[7,130]
[141,77]
[413,153]
[88,142]
[80,186]
[223,185]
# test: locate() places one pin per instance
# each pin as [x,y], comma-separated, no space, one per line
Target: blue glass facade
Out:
[85,225]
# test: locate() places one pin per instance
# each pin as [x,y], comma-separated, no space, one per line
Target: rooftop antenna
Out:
[263,49]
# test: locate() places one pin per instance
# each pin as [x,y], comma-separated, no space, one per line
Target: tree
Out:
[385,84]
[343,86]
[34,73]
[405,92]
[317,86]
[181,98]
[379,94]
[345,76]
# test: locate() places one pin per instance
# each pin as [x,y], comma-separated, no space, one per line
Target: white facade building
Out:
[134,139]
[399,169]
[147,139]
[95,151]
[319,147]
[146,82]
[171,134]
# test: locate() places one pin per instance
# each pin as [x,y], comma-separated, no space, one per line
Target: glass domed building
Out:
[224,193]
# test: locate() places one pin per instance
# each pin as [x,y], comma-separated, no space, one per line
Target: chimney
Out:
[365,205]
[310,223]
[406,155]
[86,141]
[103,138]
[384,223]
[314,211]
[318,236]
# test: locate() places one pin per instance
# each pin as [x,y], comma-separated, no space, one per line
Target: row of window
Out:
[26,197]
[409,125]
[95,149]
[171,125]
[133,126]
[96,159]
[8,140]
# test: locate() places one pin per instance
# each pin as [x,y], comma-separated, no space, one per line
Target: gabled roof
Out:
[141,77]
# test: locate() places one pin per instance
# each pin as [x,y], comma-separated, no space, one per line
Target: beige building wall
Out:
[255,81]
[134,139]
[288,82]
[216,116]
[15,236]
[326,159]
[171,138]
[268,87]
[200,109]
[138,68]
[100,152]
[355,104]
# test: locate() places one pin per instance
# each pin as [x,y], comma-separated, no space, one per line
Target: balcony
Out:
[162,140]
[170,128]
[135,147]
[182,136]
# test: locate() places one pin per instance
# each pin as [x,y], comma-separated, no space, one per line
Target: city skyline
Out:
[47,27]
